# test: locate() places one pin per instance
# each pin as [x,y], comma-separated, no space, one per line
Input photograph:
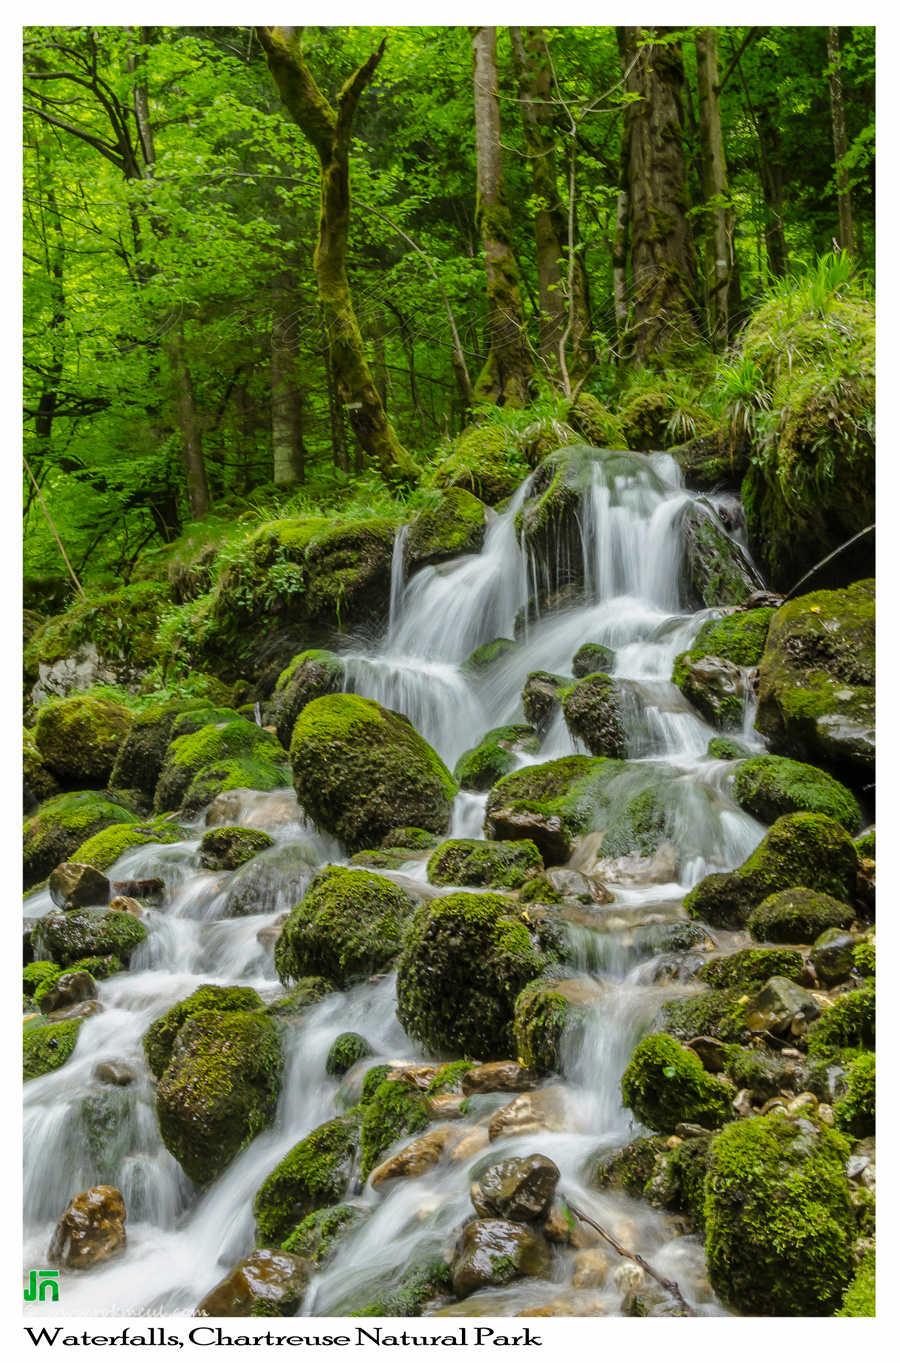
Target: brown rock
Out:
[419,1075]
[123,903]
[151,890]
[546,831]
[591,1268]
[711,1053]
[114,1072]
[490,1253]
[73,987]
[90,1230]
[75,886]
[414,1159]
[444,1105]
[472,1139]
[77,1010]
[520,1189]
[500,1076]
[477,1198]
[269,1278]
[573,884]
[545,1110]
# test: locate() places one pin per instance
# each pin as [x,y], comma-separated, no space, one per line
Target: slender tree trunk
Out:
[329,131]
[287,432]
[717,234]
[839,127]
[336,418]
[189,424]
[662,253]
[509,366]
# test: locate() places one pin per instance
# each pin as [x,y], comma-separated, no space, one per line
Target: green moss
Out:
[415,1289]
[63,824]
[664,1084]
[716,1012]
[122,625]
[311,1176]
[763,1072]
[797,916]
[799,849]
[47,985]
[219,1090]
[483,657]
[375,1076]
[319,1234]
[310,675]
[715,571]
[38,973]
[78,738]
[465,861]
[779,1222]
[140,758]
[481,767]
[75,935]
[160,1037]
[225,849]
[47,1048]
[864,959]
[647,417]
[752,964]
[631,1167]
[855,1110]
[409,839]
[485,460]
[449,1078]
[727,749]
[701,677]
[859,1298]
[739,637]
[345,1051]
[349,924]
[543,1012]
[105,848]
[36,776]
[865,844]
[641,827]
[100,967]
[768,787]
[205,752]
[396,1109]
[591,659]
[465,959]
[849,1022]
[349,571]
[570,788]
[454,526]
[361,770]
[593,713]
[305,993]
[234,774]
[539,890]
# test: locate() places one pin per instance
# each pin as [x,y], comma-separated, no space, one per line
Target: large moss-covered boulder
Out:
[47,1046]
[38,780]
[545,1011]
[714,569]
[739,636]
[799,849]
[349,572]
[714,686]
[310,675]
[312,1175]
[456,525]
[62,825]
[593,712]
[105,848]
[191,775]
[817,679]
[361,770]
[718,1013]
[665,1084]
[481,767]
[465,861]
[71,937]
[219,1090]
[140,758]
[780,1225]
[550,803]
[485,461]
[161,1035]
[752,965]
[465,959]
[78,738]
[349,924]
[768,787]
[797,915]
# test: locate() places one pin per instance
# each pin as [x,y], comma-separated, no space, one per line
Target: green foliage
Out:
[859,1298]
[349,924]
[395,1109]
[160,1037]
[855,1110]
[665,1084]
[311,1176]
[47,1048]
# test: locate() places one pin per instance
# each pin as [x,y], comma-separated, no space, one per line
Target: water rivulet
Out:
[611,569]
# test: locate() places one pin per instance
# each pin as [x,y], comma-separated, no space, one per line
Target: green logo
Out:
[36,1291]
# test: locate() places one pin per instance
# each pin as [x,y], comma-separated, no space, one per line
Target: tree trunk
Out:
[336,418]
[329,132]
[839,126]
[189,424]
[662,253]
[717,233]
[509,366]
[287,433]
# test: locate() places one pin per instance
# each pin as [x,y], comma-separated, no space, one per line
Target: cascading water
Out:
[181,1241]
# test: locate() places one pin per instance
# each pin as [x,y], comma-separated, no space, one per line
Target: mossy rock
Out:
[799,849]
[140,758]
[641,827]
[550,520]
[720,1013]
[864,959]
[310,675]
[768,787]
[592,658]
[161,1035]
[779,1222]
[484,461]
[345,1051]
[193,756]
[38,780]
[542,698]
[361,770]
[395,1109]
[100,967]
[121,624]
[311,1176]
[739,636]
[481,767]
[485,655]
[631,1167]
[569,788]
[78,738]
[765,1073]
[859,1298]
[865,843]
[657,938]
[271,881]
[817,679]
[593,712]
[415,1290]
[646,418]
[219,1090]
[714,686]
[225,849]
[727,749]
[392,860]
[63,824]
[465,960]
[665,1084]
[855,1110]
[47,1047]
[307,992]
[713,461]
[797,915]
[465,861]
[544,1012]
[318,1236]
[752,964]
[349,572]
[714,570]
[850,1022]
[105,848]
[410,839]
[71,937]
[239,773]
[597,424]
[456,525]
[38,973]
[348,925]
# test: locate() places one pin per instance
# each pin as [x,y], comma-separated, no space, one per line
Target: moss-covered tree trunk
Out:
[329,132]
[717,233]
[288,453]
[510,365]
[662,252]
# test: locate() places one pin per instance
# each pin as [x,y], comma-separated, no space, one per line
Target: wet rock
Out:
[542,697]
[545,1110]
[832,956]
[226,848]
[348,924]
[551,1015]
[593,712]
[115,1072]
[309,675]
[629,1278]
[73,886]
[714,571]
[470,1141]
[125,904]
[499,1076]
[490,1253]
[778,1002]
[571,884]
[593,658]
[345,1051]
[414,1159]
[445,1106]
[715,687]
[713,1054]
[479,1202]
[590,1269]
[546,831]
[268,1282]
[73,987]
[520,1189]
[227,808]
[90,1231]
[76,1011]
[150,891]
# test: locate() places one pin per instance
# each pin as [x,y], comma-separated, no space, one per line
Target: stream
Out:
[181,1242]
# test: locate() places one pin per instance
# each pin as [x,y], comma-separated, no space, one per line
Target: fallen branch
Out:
[667,1283]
